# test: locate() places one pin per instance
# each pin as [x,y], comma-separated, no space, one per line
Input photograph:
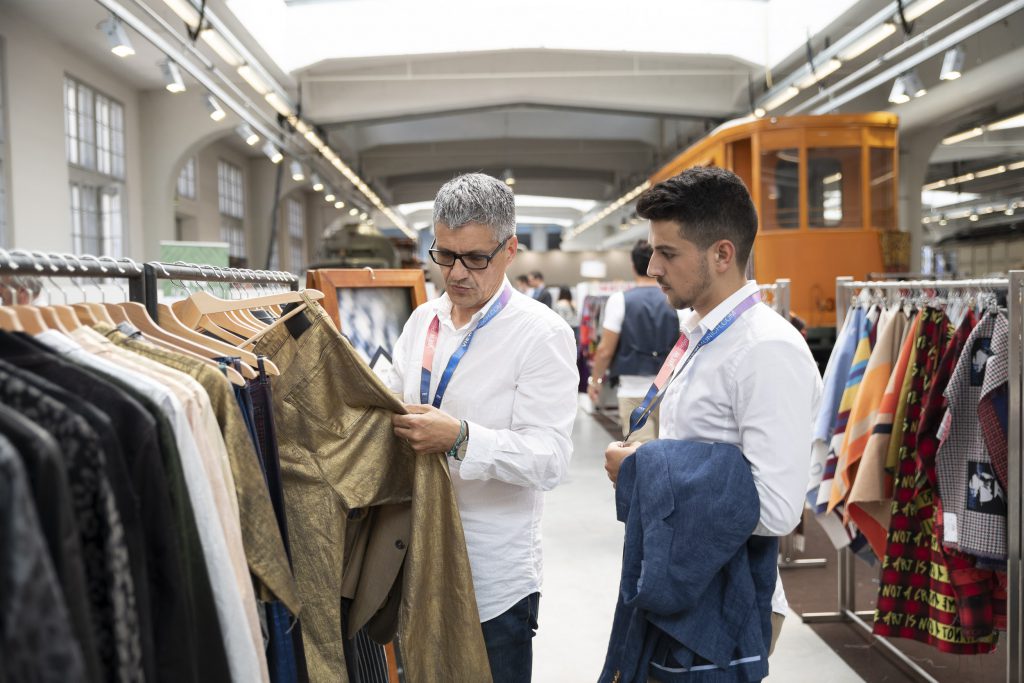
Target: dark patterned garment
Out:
[36,643]
[916,597]
[105,556]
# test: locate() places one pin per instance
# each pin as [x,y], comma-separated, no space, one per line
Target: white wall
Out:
[40,206]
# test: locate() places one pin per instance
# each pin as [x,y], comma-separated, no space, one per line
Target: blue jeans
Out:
[509,641]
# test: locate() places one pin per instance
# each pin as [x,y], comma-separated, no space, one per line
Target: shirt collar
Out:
[444,305]
[693,322]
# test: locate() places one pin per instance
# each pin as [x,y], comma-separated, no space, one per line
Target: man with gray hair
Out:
[490,378]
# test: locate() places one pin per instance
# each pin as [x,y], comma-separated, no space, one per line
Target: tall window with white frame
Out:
[231,198]
[3,150]
[94,141]
[186,188]
[296,235]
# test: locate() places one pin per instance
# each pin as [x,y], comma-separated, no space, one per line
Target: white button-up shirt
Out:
[516,386]
[757,387]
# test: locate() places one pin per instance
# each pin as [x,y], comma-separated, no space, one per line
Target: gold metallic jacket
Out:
[368,519]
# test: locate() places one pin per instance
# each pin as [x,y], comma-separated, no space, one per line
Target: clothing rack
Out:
[846,612]
[780,291]
[154,271]
[19,262]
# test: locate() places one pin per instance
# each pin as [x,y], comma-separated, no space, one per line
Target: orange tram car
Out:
[825,188]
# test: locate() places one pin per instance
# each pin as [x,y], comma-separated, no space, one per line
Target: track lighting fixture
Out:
[297,173]
[273,153]
[318,185]
[172,76]
[117,36]
[952,64]
[247,134]
[217,112]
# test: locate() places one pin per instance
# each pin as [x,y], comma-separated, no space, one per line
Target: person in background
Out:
[638,331]
[540,290]
[753,383]
[565,308]
[490,378]
[522,283]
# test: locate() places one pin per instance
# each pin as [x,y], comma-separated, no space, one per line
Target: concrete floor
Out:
[582,552]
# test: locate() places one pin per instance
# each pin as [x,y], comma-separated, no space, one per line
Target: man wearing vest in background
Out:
[639,330]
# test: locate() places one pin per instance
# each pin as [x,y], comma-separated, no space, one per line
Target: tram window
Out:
[780,188]
[883,189]
[833,180]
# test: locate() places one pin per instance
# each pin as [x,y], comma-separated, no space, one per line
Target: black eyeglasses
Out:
[443,257]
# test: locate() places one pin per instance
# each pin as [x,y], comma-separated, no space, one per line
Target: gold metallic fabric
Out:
[368,519]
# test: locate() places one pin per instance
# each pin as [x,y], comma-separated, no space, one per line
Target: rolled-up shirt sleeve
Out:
[534,451]
[777,390]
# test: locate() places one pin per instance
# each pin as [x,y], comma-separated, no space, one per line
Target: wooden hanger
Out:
[53,320]
[136,314]
[30,319]
[9,320]
[170,323]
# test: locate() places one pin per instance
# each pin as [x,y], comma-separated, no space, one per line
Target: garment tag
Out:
[949,532]
[943,431]
[129,330]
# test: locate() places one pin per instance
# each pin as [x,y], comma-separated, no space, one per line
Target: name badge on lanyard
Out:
[430,346]
[638,418]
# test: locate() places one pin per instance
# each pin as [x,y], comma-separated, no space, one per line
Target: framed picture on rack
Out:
[370,307]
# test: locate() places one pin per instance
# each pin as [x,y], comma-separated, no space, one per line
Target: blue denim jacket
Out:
[695,594]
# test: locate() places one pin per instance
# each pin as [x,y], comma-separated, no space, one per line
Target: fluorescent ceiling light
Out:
[867,41]
[278,103]
[117,37]
[952,64]
[1010,122]
[961,179]
[217,113]
[781,98]
[318,185]
[273,153]
[247,134]
[918,8]
[819,72]
[995,170]
[965,135]
[937,185]
[185,10]
[172,76]
[219,45]
[1015,166]
[297,173]
[830,179]
[253,79]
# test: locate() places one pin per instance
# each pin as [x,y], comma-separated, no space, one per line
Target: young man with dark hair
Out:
[639,329]
[745,376]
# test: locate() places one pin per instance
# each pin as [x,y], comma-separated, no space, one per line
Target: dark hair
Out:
[537,274]
[709,204]
[565,294]
[641,256]
[522,278]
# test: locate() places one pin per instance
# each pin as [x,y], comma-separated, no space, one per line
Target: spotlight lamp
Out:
[318,185]
[297,173]
[913,84]
[248,134]
[217,112]
[330,196]
[898,94]
[117,37]
[364,215]
[353,211]
[508,177]
[273,153]
[339,204]
[172,76]
[952,64]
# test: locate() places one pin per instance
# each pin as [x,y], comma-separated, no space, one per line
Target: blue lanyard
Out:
[430,345]
[638,418]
